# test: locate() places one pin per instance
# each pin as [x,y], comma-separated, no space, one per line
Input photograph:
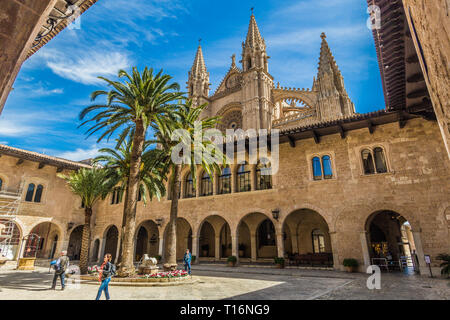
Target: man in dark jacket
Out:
[187,261]
[60,269]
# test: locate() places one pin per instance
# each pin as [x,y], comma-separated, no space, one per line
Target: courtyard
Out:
[217,282]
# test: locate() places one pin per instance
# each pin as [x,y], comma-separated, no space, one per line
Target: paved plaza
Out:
[220,282]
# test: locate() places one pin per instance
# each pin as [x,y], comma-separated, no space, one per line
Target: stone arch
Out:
[184,237]
[148,243]
[216,238]
[111,241]
[10,242]
[47,231]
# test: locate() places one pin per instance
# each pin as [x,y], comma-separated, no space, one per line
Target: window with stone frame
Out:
[1,183]
[225,181]
[374,161]
[189,188]
[206,185]
[116,196]
[38,195]
[243,178]
[318,241]
[263,175]
[322,168]
[34,194]
[30,192]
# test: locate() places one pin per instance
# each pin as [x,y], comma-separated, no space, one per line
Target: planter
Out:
[350,269]
[26,264]
[279,265]
[231,264]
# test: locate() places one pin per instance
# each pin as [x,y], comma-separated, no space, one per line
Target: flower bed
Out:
[165,275]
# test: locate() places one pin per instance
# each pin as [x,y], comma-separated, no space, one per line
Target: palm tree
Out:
[90,185]
[131,106]
[184,119]
[117,163]
[445,265]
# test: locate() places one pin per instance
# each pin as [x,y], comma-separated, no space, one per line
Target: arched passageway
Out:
[74,248]
[257,238]
[307,239]
[95,251]
[184,238]
[49,236]
[390,242]
[111,242]
[147,240]
[214,239]
[10,238]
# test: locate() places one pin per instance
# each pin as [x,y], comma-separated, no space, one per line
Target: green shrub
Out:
[193,258]
[158,258]
[232,259]
[279,260]
[350,263]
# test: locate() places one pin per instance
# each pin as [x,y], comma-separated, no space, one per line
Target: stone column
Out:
[215,183]
[294,240]
[423,268]
[160,245]
[253,177]
[334,246]
[195,249]
[233,178]
[235,247]
[253,247]
[217,248]
[365,249]
[280,244]
[102,248]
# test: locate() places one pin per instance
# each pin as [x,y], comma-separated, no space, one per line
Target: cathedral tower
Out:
[257,82]
[198,83]
[332,99]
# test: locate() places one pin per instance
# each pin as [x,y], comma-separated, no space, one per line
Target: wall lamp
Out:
[276,214]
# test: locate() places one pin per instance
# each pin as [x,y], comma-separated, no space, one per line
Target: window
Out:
[116,196]
[263,175]
[207,187]
[243,178]
[189,187]
[374,161]
[139,195]
[225,181]
[30,192]
[38,195]
[322,168]
[1,183]
[318,239]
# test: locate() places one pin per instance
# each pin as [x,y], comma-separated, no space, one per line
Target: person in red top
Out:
[107,270]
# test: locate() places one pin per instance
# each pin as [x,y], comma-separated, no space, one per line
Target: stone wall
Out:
[431,21]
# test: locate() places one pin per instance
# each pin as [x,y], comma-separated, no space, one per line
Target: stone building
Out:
[365,186]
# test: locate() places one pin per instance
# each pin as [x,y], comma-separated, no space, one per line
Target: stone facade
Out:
[378,186]
[430,21]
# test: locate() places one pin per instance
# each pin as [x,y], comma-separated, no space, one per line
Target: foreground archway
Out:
[307,239]
[184,238]
[10,237]
[390,241]
[74,247]
[147,240]
[49,235]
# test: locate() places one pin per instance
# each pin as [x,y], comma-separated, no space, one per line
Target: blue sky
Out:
[54,84]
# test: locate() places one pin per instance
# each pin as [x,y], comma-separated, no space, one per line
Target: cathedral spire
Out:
[254,48]
[199,66]
[327,63]
[254,39]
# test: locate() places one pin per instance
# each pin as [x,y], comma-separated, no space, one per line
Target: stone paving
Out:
[221,282]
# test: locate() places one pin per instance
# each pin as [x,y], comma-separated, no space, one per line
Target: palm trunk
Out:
[124,222]
[85,241]
[171,259]
[127,264]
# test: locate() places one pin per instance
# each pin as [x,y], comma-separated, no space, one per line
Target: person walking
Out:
[107,270]
[187,261]
[60,267]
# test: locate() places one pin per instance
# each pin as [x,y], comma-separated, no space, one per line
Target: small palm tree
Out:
[184,119]
[117,164]
[90,185]
[445,265]
[131,106]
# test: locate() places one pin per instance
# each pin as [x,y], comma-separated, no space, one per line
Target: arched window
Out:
[30,192]
[249,63]
[380,161]
[169,196]
[139,195]
[327,170]
[207,187]
[263,175]
[317,168]
[367,159]
[318,239]
[225,181]
[1,183]
[115,196]
[243,178]
[38,195]
[374,161]
[189,187]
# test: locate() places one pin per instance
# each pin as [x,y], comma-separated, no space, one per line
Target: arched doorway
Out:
[307,239]
[48,234]
[257,237]
[74,248]
[9,239]
[147,240]
[214,238]
[207,241]
[390,242]
[111,241]
[184,238]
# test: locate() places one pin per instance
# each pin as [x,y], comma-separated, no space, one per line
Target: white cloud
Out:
[80,153]
[14,129]
[85,67]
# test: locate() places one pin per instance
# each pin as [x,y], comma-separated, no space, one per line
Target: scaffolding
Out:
[9,233]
